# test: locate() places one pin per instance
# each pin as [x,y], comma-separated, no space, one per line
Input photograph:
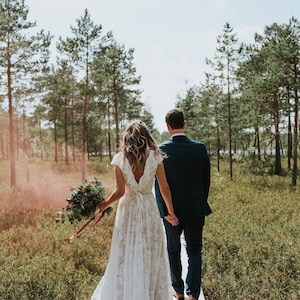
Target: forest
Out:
[61,122]
[76,107]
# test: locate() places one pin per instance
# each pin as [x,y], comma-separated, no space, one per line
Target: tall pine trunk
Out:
[84,130]
[257,142]
[13,175]
[84,127]
[73,131]
[55,142]
[108,133]
[229,133]
[116,113]
[295,144]
[218,147]
[66,133]
[290,140]
[278,169]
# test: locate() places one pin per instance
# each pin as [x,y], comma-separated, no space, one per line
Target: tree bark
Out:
[257,140]
[278,169]
[218,148]
[290,140]
[55,142]
[295,144]
[13,175]
[66,133]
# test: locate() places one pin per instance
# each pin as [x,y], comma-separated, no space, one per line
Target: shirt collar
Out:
[178,134]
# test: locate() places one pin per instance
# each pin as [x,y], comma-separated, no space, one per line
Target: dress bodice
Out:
[145,183]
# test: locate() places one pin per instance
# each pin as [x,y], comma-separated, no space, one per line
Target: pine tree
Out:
[79,49]
[225,63]
[114,75]
[22,56]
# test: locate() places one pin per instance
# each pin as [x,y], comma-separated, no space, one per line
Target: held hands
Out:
[172,219]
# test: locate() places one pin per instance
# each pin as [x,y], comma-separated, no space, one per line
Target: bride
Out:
[138,266]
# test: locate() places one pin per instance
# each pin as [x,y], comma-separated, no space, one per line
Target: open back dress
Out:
[138,266]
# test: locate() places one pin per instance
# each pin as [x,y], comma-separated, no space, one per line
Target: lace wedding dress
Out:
[138,266]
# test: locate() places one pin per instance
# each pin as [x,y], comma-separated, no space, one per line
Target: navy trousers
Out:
[192,231]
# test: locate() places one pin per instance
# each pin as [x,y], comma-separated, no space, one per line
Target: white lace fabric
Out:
[138,266]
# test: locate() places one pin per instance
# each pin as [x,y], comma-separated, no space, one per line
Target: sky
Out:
[171,38]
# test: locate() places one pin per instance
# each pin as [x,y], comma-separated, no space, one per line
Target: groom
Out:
[187,168]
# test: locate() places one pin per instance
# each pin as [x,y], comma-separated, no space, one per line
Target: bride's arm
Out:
[166,194]
[117,193]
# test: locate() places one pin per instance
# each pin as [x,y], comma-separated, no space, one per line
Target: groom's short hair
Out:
[175,118]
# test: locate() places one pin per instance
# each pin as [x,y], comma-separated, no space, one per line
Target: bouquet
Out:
[82,204]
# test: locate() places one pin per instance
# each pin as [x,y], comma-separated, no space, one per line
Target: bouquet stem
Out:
[97,218]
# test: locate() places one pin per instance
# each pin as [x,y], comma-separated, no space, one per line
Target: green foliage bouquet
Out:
[82,202]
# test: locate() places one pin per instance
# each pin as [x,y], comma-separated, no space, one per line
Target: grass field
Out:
[251,241]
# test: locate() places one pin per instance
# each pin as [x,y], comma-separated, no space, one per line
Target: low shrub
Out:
[251,243]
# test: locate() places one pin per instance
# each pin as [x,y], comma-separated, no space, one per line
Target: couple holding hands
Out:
[145,261]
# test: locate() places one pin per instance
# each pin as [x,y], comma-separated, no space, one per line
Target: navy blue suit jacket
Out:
[187,167]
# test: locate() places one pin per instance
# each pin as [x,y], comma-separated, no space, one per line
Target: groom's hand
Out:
[172,220]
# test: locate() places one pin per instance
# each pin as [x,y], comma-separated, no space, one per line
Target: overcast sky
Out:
[171,38]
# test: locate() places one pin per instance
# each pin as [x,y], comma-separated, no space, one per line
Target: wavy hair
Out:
[135,141]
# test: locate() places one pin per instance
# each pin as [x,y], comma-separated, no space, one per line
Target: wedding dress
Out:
[138,266]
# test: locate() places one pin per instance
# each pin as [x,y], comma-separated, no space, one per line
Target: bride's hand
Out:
[172,219]
[102,205]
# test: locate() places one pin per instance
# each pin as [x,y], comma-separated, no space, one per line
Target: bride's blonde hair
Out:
[136,140]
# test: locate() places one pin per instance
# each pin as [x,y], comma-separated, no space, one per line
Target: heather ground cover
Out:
[251,241]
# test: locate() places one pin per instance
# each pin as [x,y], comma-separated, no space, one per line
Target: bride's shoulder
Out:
[157,157]
[117,159]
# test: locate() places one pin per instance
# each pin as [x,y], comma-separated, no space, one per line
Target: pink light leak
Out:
[39,185]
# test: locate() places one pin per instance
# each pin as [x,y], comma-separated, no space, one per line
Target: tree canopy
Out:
[247,105]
